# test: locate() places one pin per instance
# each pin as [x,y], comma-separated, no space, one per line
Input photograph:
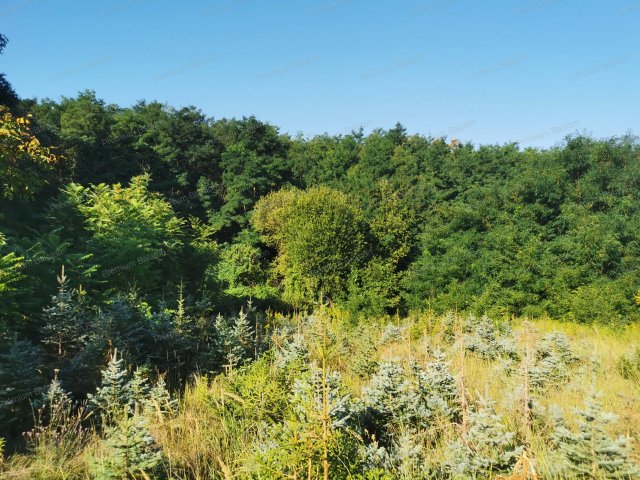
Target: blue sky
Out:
[482,71]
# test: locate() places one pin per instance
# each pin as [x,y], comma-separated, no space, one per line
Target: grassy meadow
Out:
[245,422]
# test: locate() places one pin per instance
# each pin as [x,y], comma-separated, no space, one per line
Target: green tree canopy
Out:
[320,238]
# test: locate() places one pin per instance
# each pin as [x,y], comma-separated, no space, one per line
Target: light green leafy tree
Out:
[132,231]
[320,237]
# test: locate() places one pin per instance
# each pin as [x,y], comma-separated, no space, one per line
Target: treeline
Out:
[150,198]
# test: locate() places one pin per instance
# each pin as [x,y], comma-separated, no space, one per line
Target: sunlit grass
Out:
[213,433]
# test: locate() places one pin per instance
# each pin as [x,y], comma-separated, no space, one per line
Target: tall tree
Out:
[24,162]
[8,96]
[320,237]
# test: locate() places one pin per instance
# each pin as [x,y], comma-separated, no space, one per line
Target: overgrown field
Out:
[416,398]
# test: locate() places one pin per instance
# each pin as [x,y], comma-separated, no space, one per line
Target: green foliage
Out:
[291,357]
[404,459]
[134,232]
[377,288]
[322,160]
[24,162]
[439,389]
[202,257]
[390,397]
[602,302]
[242,270]
[56,404]
[489,229]
[282,415]
[486,340]
[10,274]
[553,361]
[128,450]
[64,321]
[164,218]
[123,394]
[85,125]
[240,265]
[401,410]
[320,238]
[158,400]
[116,395]
[238,338]
[21,381]
[294,447]
[246,177]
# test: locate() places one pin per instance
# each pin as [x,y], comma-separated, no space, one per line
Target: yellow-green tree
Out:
[320,237]
[131,232]
[23,160]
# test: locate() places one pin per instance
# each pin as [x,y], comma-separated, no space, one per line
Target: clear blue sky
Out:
[483,71]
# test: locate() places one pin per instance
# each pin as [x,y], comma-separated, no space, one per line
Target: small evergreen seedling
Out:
[121,393]
[486,448]
[307,398]
[19,380]
[56,404]
[389,397]
[396,400]
[292,357]
[485,340]
[235,340]
[590,452]
[117,392]
[553,359]
[313,431]
[404,459]
[243,338]
[439,389]
[391,333]
[159,399]
[130,452]
[63,320]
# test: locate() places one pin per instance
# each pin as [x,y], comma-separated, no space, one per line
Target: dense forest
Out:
[150,249]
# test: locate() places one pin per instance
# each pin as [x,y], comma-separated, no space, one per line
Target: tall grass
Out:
[214,432]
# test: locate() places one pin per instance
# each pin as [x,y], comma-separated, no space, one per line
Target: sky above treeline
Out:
[499,71]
